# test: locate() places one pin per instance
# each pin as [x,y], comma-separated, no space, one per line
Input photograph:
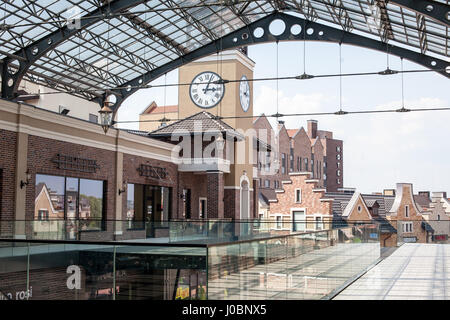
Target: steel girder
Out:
[245,37]
[431,9]
[34,51]
[28,56]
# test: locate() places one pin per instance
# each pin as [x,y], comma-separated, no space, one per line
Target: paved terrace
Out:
[412,272]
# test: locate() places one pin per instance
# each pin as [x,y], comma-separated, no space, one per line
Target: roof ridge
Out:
[175,122]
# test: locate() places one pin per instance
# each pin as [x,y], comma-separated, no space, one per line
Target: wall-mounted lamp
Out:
[27,181]
[124,188]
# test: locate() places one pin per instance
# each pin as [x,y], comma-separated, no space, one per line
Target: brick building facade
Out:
[120,176]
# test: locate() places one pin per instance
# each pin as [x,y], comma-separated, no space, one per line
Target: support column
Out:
[215,194]
[118,229]
[21,169]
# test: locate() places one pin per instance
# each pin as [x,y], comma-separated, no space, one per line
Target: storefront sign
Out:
[146,170]
[409,239]
[66,162]
[19,295]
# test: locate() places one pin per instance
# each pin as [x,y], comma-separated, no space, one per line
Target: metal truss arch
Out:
[28,55]
[310,31]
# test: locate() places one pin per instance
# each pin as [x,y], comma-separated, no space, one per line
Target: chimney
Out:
[389,192]
[425,193]
[312,129]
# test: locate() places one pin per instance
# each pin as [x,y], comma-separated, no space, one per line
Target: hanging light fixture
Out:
[106,115]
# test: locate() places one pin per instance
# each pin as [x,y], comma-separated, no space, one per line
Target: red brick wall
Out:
[231,199]
[41,152]
[215,183]
[310,199]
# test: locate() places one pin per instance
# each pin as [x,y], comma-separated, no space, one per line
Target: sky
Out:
[380,150]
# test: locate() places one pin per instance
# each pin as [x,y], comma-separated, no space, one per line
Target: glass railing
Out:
[392,233]
[65,270]
[312,265]
[308,265]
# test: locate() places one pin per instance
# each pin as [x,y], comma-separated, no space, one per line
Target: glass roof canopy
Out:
[140,36]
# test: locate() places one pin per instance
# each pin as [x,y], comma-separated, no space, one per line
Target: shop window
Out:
[147,206]
[70,198]
[91,202]
[49,195]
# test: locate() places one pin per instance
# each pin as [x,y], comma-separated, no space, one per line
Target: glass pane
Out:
[71,198]
[49,207]
[91,203]
[13,271]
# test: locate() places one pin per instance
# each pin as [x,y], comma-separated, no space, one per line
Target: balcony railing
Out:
[301,265]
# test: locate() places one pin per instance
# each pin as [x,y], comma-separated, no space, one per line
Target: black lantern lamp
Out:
[106,115]
[27,181]
[124,188]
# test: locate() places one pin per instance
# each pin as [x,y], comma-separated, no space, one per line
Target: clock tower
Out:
[203,91]
[226,100]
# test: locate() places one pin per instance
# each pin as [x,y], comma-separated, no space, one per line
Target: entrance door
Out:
[149,210]
[299,221]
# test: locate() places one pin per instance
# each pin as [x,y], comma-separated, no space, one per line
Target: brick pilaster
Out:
[215,196]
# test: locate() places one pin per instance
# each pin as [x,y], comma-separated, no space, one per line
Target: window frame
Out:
[104,195]
[296,192]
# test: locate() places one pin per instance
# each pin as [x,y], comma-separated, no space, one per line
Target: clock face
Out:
[204,92]
[244,93]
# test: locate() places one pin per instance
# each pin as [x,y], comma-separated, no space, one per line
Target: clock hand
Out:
[207,86]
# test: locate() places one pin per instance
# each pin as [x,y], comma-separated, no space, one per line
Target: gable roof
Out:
[292,132]
[422,200]
[351,204]
[341,199]
[399,196]
[189,125]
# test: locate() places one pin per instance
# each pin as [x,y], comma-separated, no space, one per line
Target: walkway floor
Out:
[412,272]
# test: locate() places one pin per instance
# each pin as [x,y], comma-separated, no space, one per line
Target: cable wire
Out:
[337,113]
[225,81]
